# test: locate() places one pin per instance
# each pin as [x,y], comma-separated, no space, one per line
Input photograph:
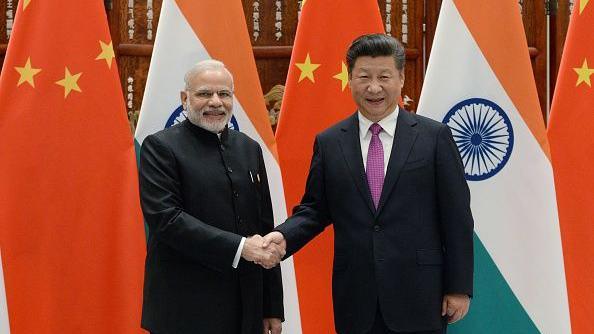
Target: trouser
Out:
[379,327]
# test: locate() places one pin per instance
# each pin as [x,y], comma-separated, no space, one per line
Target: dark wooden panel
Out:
[432,13]
[534,18]
[133,71]
[414,71]
[560,15]
[134,26]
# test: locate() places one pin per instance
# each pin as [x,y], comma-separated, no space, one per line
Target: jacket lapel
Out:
[404,138]
[351,150]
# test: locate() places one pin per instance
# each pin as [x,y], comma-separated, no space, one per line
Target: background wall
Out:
[272,25]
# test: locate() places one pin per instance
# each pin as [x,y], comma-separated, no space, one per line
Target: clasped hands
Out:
[266,251]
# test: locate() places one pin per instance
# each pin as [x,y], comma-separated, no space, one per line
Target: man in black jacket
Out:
[205,198]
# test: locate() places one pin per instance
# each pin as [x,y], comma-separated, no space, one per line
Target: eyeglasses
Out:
[204,94]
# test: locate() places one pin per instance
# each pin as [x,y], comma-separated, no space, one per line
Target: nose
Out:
[215,100]
[374,87]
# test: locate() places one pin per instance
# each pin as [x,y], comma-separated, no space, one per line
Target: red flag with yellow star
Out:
[570,132]
[71,231]
[317,96]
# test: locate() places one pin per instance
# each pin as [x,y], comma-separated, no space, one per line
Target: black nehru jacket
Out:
[200,194]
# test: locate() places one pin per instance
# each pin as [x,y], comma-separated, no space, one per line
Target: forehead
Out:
[380,63]
[216,78]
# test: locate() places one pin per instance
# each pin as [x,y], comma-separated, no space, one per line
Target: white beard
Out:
[197,118]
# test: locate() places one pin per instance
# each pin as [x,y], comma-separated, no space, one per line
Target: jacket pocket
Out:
[429,257]
[410,165]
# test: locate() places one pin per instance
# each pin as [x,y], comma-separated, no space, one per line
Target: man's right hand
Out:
[275,238]
[254,251]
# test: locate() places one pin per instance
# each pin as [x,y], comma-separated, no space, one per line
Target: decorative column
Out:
[256,20]
[130,95]
[9,17]
[130,19]
[278,23]
[405,21]
[389,17]
[149,19]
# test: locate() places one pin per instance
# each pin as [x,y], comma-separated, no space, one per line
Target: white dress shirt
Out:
[238,253]
[386,136]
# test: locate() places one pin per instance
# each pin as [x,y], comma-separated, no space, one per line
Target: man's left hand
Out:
[455,306]
[272,326]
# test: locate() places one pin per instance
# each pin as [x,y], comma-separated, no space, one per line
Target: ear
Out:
[184,98]
[401,79]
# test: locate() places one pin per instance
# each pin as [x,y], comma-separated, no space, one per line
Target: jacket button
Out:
[230,170]
[376,228]
[235,194]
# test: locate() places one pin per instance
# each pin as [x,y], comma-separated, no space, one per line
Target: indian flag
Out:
[191,31]
[479,82]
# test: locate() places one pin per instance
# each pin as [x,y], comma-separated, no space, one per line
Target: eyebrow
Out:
[202,88]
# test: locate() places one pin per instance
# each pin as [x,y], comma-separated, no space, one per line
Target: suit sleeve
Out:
[273,286]
[160,194]
[311,216]
[455,216]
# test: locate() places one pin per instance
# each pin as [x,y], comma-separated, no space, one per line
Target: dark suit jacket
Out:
[198,199]
[410,251]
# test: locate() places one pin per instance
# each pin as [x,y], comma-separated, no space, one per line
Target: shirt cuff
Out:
[238,253]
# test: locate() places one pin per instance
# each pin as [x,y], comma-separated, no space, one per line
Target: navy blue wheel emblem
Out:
[179,115]
[484,136]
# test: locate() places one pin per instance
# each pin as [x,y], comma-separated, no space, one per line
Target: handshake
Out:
[266,251]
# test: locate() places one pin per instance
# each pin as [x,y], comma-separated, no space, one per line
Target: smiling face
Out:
[208,99]
[376,85]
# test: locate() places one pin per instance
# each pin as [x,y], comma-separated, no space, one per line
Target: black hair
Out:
[375,45]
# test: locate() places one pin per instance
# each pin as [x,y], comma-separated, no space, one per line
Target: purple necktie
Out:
[375,164]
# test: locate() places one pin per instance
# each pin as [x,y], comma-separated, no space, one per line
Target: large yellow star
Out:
[69,82]
[27,73]
[25,4]
[307,69]
[584,73]
[343,76]
[106,53]
[583,4]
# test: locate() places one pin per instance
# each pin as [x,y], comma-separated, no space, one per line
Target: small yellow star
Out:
[343,76]
[106,53]
[27,73]
[583,4]
[25,4]
[303,3]
[307,69]
[69,82]
[584,73]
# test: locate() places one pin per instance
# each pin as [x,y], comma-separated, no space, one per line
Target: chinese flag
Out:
[316,96]
[571,136]
[71,231]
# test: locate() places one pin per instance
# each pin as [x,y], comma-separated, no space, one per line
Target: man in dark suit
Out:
[392,184]
[204,190]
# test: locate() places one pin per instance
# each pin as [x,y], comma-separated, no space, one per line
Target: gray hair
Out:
[204,65]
